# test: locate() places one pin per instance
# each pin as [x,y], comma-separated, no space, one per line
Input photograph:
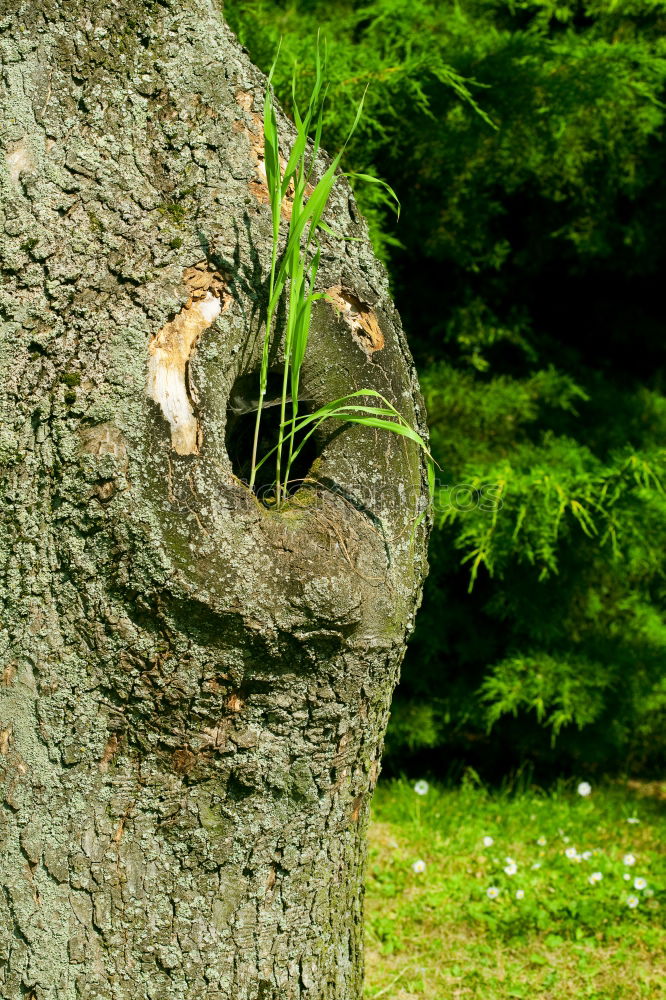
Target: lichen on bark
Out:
[194,688]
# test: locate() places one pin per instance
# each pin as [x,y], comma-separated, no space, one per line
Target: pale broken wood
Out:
[359,317]
[170,351]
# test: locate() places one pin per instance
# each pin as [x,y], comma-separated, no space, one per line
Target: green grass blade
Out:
[376,180]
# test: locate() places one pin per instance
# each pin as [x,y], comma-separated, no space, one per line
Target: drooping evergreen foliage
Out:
[526,143]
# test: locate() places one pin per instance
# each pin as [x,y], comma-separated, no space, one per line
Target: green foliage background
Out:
[526,143]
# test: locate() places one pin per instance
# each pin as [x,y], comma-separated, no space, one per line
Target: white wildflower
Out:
[520,893]
[586,855]
[511,869]
[421,787]
[633,819]
[584,789]
[628,860]
[493,892]
[536,865]
[571,852]
[595,877]
[632,902]
[640,883]
[488,841]
[627,877]
[418,867]
[541,841]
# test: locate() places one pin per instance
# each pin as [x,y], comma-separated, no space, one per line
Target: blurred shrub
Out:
[525,140]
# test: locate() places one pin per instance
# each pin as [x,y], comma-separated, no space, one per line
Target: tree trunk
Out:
[195,686]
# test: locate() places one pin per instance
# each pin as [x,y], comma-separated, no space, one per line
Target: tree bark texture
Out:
[194,686]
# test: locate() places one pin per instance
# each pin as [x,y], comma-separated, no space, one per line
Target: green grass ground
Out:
[433,930]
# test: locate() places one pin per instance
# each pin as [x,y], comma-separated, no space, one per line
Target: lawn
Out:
[497,895]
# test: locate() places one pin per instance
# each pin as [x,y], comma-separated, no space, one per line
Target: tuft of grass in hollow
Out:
[296,274]
[435,934]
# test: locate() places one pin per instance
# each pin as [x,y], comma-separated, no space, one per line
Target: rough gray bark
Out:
[195,687]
